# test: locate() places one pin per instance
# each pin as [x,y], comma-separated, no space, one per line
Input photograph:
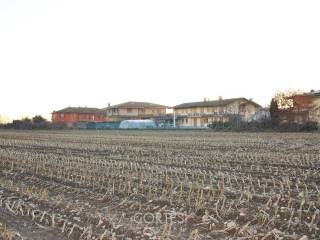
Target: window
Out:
[129,110]
[62,115]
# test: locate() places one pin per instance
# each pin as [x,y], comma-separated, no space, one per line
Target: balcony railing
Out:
[197,114]
[135,114]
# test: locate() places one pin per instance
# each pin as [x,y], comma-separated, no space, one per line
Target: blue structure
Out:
[103,125]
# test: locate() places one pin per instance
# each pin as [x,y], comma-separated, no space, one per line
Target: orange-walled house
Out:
[72,115]
[305,108]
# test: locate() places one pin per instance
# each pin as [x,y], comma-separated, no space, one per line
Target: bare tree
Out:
[282,98]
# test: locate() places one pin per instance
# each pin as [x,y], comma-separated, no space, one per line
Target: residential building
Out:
[71,115]
[305,108]
[134,110]
[200,114]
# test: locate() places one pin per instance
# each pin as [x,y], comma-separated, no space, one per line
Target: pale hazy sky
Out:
[88,53]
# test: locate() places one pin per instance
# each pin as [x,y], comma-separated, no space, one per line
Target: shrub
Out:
[309,127]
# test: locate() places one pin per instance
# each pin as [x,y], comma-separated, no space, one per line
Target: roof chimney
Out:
[204,99]
[109,105]
[220,97]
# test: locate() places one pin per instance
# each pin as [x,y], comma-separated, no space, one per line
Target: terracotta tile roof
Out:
[216,103]
[136,105]
[79,110]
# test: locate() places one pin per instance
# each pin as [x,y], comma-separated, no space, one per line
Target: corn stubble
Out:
[162,185]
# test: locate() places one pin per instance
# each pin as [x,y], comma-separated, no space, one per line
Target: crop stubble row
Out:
[158,184]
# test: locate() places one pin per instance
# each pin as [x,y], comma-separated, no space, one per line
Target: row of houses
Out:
[306,107]
[115,113]
[192,114]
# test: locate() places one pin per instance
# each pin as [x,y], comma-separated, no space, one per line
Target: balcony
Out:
[207,114]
